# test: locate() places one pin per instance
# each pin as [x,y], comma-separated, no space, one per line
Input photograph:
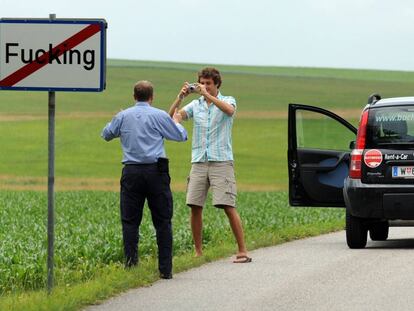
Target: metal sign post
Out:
[72,56]
[51,193]
[51,188]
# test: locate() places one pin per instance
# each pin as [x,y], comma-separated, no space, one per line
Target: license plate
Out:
[403,171]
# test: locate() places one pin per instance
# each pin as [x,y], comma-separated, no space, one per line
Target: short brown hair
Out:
[210,73]
[143,90]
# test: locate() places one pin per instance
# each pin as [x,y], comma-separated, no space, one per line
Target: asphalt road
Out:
[318,273]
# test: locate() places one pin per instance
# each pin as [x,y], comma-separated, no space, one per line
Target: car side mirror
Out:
[352,145]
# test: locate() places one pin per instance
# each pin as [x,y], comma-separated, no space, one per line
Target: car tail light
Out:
[355,167]
[356,154]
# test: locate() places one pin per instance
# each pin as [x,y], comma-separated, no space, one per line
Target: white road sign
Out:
[52,55]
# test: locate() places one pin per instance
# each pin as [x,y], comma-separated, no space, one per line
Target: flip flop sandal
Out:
[245,259]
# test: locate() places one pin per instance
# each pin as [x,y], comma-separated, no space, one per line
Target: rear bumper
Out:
[379,201]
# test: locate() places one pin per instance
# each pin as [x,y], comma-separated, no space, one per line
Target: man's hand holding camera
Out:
[200,89]
[179,115]
[184,91]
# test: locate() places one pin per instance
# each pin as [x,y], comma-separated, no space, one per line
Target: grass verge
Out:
[114,279]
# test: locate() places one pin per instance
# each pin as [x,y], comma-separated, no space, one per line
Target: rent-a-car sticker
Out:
[401,156]
[373,158]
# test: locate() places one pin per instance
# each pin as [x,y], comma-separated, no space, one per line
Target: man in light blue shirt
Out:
[212,155]
[142,130]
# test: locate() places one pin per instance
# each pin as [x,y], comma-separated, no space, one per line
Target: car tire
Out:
[356,231]
[379,231]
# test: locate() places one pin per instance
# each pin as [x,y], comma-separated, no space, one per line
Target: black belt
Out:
[141,164]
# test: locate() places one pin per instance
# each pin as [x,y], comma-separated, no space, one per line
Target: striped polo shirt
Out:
[211,131]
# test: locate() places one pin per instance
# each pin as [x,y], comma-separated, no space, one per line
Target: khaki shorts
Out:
[217,175]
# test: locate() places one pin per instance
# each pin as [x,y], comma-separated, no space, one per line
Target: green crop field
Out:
[88,234]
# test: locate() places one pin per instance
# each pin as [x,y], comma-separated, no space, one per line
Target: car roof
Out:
[395,101]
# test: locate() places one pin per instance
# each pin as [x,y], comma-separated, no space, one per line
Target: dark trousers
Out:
[140,182]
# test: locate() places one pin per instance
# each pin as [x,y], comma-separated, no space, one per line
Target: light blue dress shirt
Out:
[142,129]
[211,131]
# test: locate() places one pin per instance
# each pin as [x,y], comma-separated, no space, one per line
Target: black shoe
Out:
[166,276]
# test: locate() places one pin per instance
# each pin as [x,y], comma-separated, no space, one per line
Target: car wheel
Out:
[356,231]
[379,231]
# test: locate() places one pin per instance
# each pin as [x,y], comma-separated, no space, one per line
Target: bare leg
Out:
[197,228]
[237,228]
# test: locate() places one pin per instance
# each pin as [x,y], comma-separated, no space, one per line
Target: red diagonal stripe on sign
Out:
[57,51]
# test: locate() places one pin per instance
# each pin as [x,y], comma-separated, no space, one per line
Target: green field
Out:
[88,234]
[260,131]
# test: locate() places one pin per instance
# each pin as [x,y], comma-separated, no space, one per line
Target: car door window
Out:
[318,131]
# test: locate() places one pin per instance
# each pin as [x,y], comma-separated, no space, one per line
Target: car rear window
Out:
[391,127]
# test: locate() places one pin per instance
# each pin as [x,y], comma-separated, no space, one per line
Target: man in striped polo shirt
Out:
[212,155]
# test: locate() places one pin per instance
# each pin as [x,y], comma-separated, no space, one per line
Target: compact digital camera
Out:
[192,87]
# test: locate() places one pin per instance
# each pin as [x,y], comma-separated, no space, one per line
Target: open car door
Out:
[318,156]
